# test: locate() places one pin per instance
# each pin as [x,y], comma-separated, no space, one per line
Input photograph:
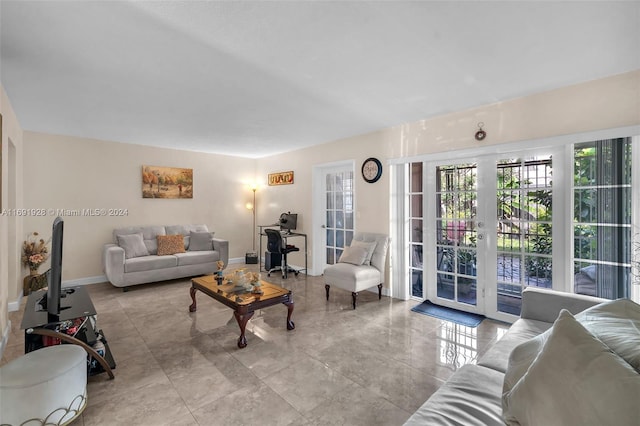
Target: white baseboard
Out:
[15,305]
[5,338]
[84,281]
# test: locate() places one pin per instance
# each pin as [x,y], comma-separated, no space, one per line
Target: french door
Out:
[334,212]
[487,227]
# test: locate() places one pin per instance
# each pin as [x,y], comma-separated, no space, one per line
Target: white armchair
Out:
[361,266]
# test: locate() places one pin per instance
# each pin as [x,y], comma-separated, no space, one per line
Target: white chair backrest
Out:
[380,253]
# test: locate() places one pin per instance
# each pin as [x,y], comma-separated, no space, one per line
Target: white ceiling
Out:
[258,78]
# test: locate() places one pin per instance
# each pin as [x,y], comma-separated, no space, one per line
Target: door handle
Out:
[324,226]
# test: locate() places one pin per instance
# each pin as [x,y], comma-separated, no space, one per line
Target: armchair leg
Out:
[379,291]
[326,288]
[354,295]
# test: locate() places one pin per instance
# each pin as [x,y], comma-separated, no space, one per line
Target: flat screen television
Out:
[51,300]
[288,221]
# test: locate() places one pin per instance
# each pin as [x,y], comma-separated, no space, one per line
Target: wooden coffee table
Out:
[244,303]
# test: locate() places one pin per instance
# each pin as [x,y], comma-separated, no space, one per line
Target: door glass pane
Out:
[330,256]
[416,178]
[416,282]
[330,239]
[348,220]
[348,237]
[330,221]
[331,200]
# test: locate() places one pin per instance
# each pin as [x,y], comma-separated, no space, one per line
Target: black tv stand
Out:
[39,326]
[41,304]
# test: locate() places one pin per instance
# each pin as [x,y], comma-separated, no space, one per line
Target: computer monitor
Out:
[288,221]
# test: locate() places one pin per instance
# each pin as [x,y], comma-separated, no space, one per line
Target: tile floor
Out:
[371,366]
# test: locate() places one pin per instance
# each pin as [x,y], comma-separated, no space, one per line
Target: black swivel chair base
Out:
[285,271]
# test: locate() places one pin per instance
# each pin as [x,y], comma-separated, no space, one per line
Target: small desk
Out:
[285,236]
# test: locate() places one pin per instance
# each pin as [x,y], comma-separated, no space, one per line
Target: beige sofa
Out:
[132,258]
[551,368]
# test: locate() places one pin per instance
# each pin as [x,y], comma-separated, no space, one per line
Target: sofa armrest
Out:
[545,305]
[113,263]
[222,247]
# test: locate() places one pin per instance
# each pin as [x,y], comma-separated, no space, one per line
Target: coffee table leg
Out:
[193,307]
[290,324]
[242,322]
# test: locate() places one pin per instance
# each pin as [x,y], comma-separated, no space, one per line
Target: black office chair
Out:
[276,256]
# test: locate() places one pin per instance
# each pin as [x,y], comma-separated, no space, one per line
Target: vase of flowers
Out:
[34,252]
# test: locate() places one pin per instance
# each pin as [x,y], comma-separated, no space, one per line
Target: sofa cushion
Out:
[148,263]
[574,380]
[470,397]
[497,357]
[199,241]
[170,244]
[354,255]
[617,324]
[185,230]
[149,234]
[198,257]
[369,246]
[133,245]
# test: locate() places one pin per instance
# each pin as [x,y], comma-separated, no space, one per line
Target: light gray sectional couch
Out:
[133,258]
[551,368]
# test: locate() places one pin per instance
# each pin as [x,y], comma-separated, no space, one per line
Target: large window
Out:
[602,218]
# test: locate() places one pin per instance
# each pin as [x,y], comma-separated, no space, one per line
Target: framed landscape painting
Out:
[166,182]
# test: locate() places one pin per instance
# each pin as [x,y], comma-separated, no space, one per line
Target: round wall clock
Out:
[371,170]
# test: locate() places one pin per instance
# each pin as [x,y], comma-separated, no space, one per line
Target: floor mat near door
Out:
[448,314]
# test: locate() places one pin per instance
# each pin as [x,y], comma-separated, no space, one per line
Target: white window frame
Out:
[565,281]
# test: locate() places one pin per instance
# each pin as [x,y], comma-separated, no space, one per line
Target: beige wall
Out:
[607,103]
[73,173]
[10,226]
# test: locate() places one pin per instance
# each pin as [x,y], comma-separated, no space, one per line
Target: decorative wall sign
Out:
[282,178]
[166,182]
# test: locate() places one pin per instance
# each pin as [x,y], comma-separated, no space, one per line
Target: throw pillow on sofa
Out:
[133,245]
[574,380]
[617,324]
[170,244]
[200,241]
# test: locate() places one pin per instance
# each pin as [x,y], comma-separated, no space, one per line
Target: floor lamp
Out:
[252,257]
